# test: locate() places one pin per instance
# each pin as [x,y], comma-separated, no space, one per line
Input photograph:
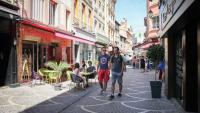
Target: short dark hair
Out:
[89,62]
[103,48]
[76,65]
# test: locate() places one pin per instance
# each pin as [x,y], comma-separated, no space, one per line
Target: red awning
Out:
[74,38]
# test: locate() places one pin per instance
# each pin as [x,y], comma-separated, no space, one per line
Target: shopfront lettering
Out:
[169,10]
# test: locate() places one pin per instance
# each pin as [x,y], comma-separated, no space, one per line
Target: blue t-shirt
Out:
[103,61]
[117,63]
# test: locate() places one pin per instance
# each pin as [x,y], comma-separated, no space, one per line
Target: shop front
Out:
[8,37]
[179,34]
[84,46]
[38,44]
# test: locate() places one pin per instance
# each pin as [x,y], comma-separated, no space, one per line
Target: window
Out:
[83,12]
[99,4]
[99,26]
[155,22]
[89,20]
[52,11]
[37,9]
[67,19]
[95,25]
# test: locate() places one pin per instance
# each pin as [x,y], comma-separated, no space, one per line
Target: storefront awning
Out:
[74,38]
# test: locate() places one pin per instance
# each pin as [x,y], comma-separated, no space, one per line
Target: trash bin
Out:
[156,89]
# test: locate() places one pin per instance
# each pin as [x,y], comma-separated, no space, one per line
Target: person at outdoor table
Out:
[83,66]
[91,69]
[79,77]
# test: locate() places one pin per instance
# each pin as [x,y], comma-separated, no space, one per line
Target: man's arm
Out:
[97,68]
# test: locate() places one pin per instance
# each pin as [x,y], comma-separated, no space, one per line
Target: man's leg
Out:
[106,78]
[113,87]
[120,81]
[100,78]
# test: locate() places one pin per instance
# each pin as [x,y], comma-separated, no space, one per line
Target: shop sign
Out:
[169,10]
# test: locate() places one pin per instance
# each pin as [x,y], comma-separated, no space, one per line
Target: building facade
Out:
[99,25]
[152,25]
[110,20]
[117,41]
[180,34]
[126,34]
[43,35]
[9,17]
[83,17]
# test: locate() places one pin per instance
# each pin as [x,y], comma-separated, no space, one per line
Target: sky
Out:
[134,11]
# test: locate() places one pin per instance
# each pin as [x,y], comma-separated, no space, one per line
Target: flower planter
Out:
[156,89]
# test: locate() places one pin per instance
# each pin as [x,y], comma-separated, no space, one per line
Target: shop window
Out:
[89,55]
[37,9]
[52,11]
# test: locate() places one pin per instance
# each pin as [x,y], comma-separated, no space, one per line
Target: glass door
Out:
[179,68]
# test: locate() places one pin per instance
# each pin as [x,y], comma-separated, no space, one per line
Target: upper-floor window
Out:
[103,8]
[155,22]
[52,12]
[99,4]
[67,19]
[99,26]
[37,9]
[83,11]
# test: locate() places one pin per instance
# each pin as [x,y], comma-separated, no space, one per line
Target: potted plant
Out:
[59,67]
[155,53]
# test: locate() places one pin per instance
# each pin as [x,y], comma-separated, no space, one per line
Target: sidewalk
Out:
[38,99]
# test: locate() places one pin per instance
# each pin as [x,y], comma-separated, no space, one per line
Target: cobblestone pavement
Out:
[136,98]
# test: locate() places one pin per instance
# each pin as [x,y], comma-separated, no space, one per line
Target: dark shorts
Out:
[116,77]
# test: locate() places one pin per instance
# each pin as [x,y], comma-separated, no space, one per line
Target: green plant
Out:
[155,53]
[57,66]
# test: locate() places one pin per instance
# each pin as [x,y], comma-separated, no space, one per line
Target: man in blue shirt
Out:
[103,69]
[117,67]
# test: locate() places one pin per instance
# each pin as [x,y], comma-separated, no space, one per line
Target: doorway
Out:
[7,52]
[31,59]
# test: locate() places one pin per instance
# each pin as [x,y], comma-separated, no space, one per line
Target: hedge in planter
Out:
[156,53]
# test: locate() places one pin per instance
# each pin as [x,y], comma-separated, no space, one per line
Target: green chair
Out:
[42,73]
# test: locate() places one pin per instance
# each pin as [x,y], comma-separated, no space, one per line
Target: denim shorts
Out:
[116,77]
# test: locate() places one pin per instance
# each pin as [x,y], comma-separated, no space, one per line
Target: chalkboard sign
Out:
[179,66]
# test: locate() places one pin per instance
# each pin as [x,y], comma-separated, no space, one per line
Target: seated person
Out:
[91,69]
[78,77]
